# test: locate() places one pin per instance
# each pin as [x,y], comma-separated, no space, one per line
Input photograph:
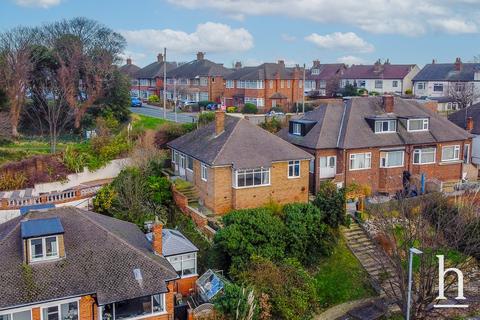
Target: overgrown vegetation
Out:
[272,125]
[250,108]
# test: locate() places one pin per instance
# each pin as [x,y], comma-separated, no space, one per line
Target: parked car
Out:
[212,106]
[136,102]
[274,113]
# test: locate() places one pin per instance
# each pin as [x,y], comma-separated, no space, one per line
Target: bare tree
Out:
[463,93]
[15,66]
[436,226]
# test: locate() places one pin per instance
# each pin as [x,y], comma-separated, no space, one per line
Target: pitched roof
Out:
[155,70]
[101,254]
[344,125]
[447,72]
[199,67]
[129,69]
[265,71]
[242,144]
[459,117]
[174,242]
[326,71]
[378,71]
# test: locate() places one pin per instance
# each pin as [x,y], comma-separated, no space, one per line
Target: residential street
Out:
[157,112]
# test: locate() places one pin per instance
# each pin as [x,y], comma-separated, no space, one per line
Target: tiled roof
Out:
[242,144]
[447,72]
[202,67]
[326,71]
[265,71]
[101,254]
[344,126]
[129,69]
[460,117]
[381,71]
[174,242]
[155,70]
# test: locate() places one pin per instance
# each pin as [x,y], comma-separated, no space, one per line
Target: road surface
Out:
[157,112]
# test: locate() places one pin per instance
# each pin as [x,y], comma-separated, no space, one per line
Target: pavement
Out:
[157,112]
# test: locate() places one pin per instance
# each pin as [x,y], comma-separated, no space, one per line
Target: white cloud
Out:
[407,17]
[210,37]
[348,41]
[288,37]
[454,26]
[38,3]
[350,60]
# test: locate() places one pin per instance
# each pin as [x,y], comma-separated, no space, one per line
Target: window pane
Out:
[50,313]
[249,178]
[258,177]
[297,168]
[24,315]
[36,248]
[51,246]
[395,158]
[266,177]
[69,311]
[133,307]
[428,155]
[323,162]
[158,303]
[447,153]
[5,317]
[240,180]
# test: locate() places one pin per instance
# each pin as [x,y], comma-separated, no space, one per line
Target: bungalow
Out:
[375,141]
[72,264]
[235,164]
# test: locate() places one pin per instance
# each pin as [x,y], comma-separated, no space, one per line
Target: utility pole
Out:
[175,97]
[303,90]
[165,83]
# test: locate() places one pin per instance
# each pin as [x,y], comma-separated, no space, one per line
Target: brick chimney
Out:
[388,103]
[458,64]
[200,55]
[316,63]
[238,65]
[129,61]
[219,122]
[281,62]
[157,237]
[469,126]
[160,57]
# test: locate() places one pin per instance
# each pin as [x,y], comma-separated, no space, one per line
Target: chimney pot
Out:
[157,237]
[458,64]
[388,103]
[200,55]
[219,122]
[434,61]
[469,127]
[160,57]
[129,61]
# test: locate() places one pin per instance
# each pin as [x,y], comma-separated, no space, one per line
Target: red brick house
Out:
[267,85]
[323,80]
[149,80]
[374,140]
[72,264]
[235,164]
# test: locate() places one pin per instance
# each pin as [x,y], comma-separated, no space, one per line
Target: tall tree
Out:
[463,93]
[15,68]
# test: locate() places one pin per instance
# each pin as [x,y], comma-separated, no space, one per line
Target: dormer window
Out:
[43,248]
[315,71]
[43,239]
[297,129]
[385,126]
[417,124]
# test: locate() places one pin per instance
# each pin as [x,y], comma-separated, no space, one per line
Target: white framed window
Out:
[189,163]
[204,171]
[385,126]
[251,178]
[424,155]
[421,85]
[417,124]
[438,87]
[294,169]
[45,248]
[64,311]
[259,102]
[230,84]
[174,156]
[311,167]
[466,153]
[395,83]
[360,161]
[297,128]
[133,308]
[185,265]
[361,83]
[451,153]
[204,81]
[315,71]
[17,314]
[378,84]
[391,159]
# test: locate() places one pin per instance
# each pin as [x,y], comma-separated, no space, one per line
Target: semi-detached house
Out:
[374,140]
[235,164]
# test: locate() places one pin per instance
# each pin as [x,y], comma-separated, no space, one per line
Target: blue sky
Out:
[255,31]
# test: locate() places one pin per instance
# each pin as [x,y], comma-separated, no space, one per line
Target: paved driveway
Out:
[157,112]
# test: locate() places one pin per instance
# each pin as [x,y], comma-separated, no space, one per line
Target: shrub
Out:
[374,93]
[9,181]
[408,91]
[250,108]
[232,109]
[206,117]
[153,99]
[331,200]
[273,125]
[105,200]
[237,303]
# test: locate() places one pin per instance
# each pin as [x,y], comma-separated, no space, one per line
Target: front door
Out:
[181,169]
[328,167]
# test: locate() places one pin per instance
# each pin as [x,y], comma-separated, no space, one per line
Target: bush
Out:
[10,181]
[153,99]
[205,103]
[105,200]
[232,109]
[236,302]
[408,91]
[273,125]
[250,108]
[206,117]
[331,200]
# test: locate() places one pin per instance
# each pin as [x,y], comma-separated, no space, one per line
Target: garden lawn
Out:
[341,278]
[147,123]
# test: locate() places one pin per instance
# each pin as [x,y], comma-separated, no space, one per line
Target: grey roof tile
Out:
[447,72]
[460,117]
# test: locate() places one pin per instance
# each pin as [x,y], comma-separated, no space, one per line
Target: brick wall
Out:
[186,286]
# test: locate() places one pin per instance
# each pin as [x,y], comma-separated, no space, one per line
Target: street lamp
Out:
[410,267]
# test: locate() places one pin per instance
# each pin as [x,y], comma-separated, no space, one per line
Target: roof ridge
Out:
[226,141]
[82,213]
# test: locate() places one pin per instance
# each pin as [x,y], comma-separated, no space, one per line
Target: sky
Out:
[256,31]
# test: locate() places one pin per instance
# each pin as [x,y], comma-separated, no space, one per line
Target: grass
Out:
[341,278]
[142,122]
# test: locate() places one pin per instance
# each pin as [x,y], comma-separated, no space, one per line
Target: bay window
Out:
[185,264]
[424,156]
[391,159]
[451,153]
[360,161]
[294,169]
[131,308]
[251,178]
